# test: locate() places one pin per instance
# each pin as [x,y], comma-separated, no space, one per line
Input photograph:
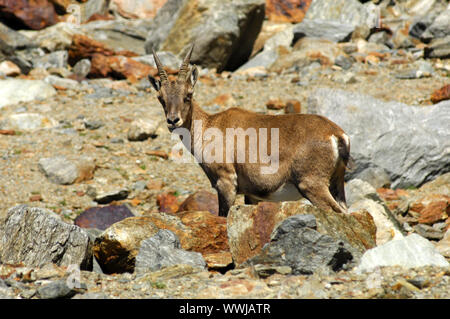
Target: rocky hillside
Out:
[94,202]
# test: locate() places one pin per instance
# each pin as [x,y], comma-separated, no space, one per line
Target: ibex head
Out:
[176,96]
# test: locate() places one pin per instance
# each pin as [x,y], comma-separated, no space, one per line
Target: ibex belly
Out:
[286,192]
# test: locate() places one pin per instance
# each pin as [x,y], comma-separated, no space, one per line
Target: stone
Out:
[108,196]
[167,203]
[441,94]
[223,33]
[198,231]
[438,48]
[409,252]
[13,39]
[275,104]
[296,243]
[419,69]
[345,11]
[27,122]
[117,247]
[443,246]
[23,14]
[56,289]
[102,217]
[344,62]
[8,68]
[436,211]
[141,9]
[57,59]
[91,7]
[82,68]
[389,134]
[250,227]
[143,128]
[201,200]
[13,91]
[56,37]
[440,27]
[428,232]
[62,84]
[324,29]
[375,176]
[293,107]
[119,67]
[164,250]
[388,227]
[32,236]
[64,171]
[357,189]
[292,11]
[218,261]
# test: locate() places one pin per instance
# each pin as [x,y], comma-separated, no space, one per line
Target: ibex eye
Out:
[187,99]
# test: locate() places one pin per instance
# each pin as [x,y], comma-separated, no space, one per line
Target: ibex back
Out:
[309,152]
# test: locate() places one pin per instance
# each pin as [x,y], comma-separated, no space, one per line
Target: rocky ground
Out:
[88,131]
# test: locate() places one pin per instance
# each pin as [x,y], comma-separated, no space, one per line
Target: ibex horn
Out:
[161,71]
[185,65]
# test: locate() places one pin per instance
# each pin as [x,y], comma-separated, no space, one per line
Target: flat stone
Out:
[13,91]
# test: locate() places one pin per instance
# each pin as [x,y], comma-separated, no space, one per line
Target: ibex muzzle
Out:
[312,151]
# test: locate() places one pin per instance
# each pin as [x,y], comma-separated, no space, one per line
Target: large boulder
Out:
[24,14]
[297,244]
[223,32]
[35,237]
[411,143]
[250,227]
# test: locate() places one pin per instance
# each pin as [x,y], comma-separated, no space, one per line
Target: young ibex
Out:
[312,153]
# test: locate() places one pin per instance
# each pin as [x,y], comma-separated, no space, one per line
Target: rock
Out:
[62,84]
[292,107]
[13,40]
[200,201]
[286,10]
[119,67]
[36,15]
[198,231]
[409,252]
[27,122]
[82,68]
[357,189]
[223,33]
[436,211]
[438,48]
[275,104]
[142,129]
[344,62]
[56,37]
[64,171]
[375,176]
[13,91]
[167,203]
[141,9]
[249,227]
[440,28]
[428,232]
[345,11]
[218,261]
[163,250]
[107,197]
[57,59]
[387,225]
[90,8]
[330,30]
[102,217]
[116,248]
[32,236]
[9,69]
[296,243]
[420,69]
[389,135]
[441,94]
[56,289]
[443,246]
[345,78]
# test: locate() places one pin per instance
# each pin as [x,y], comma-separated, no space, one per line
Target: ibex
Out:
[313,152]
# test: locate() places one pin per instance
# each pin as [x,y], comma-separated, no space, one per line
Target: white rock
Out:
[27,122]
[409,252]
[13,91]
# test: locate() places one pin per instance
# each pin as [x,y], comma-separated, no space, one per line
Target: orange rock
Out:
[442,94]
[138,9]
[293,106]
[275,104]
[35,198]
[201,201]
[161,154]
[218,260]
[24,14]
[286,10]
[155,185]
[119,67]
[434,212]
[168,203]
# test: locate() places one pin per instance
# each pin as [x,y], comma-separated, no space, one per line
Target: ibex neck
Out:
[199,121]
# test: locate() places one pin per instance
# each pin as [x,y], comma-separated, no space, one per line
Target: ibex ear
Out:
[155,83]
[193,76]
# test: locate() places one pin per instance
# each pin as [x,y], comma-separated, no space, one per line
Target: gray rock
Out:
[13,91]
[438,48]
[440,27]
[302,248]
[357,189]
[27,122]
[57,59]
[93,124]
[167,59]
[390,135]
[90,7]
[326,29]
[32,236]
[163,250]
[345,11]
[63,83]
[409,252]
[223,32]
[344,62]
[55,290]
[59,170]
[429,232]
[55,37]
[142,129]
[82,68]
[419,69]
[13,39]
[375,176]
